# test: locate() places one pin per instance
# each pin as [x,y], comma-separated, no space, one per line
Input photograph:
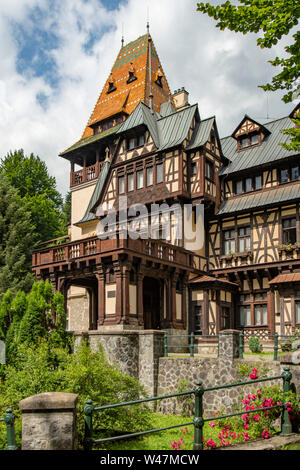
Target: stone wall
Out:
[140,354]
[136,352]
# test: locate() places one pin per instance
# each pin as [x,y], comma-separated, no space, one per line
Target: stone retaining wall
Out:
[136,352]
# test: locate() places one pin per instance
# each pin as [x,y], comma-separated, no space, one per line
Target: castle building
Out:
[151,147]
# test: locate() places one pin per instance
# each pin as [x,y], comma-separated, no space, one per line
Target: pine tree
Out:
[16,240]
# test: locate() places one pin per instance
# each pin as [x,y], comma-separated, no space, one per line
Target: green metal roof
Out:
[268,151]
[142,115]
[168,131]
[89,215]
[91,139]
[173,129]
[277,195]
[202,133]
[166,109]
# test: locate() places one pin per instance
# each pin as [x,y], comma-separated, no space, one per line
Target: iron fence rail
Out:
[275,337]
[199,420]
[191,343]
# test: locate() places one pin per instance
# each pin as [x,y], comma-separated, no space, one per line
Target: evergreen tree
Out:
[16,240]
[30,176]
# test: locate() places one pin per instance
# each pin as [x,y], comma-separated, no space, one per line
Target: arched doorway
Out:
[152,303]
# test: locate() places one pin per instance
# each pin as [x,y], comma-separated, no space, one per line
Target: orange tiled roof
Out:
[133,57]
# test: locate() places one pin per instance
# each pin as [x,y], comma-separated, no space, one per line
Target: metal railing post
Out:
[198,417]
[9,419]
[88,425]
[286,425]
[275,347]
[241,345]
[165,345]
[192,345]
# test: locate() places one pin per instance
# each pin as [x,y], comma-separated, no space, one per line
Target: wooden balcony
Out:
[94,249]
[86,174]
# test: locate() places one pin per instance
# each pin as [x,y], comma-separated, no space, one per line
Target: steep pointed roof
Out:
[129,82]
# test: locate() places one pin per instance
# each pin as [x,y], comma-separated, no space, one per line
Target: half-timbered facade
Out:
[151,147]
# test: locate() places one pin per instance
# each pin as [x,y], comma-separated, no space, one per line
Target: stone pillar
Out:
[228,344]
[151,348]
[49,421]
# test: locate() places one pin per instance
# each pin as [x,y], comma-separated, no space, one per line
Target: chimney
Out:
[181,98]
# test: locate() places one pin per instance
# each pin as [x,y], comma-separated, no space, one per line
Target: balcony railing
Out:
[94,247]
[85,175]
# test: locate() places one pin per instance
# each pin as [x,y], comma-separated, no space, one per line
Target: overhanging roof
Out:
[268,151]
[285,278]
[284,193]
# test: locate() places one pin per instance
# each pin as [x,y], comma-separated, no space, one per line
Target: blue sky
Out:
[56,55]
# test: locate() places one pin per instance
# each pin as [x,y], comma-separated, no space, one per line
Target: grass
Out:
[158,440]
[162,440]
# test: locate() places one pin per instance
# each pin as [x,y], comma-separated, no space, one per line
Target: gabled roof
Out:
[248,118]
[166,109]
[202,133]
[168,131]
[173,129]
[269,197]
[142,115]
[268,151]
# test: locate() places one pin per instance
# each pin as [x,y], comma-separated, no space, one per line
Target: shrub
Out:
[255,345]
[44,368]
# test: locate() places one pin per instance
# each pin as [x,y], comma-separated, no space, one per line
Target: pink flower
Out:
[265,434]
[254,375]
[212,424]
[256,417]
[246,437]
[211,444]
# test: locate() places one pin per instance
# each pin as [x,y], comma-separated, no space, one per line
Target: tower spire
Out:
[122,41]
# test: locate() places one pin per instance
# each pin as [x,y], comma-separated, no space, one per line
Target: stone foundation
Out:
[136,352]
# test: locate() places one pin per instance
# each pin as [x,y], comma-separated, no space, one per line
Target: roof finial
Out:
[148,21]
[122,35]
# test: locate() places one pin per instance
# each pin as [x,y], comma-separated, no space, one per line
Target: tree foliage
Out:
[274,19]
[16,240]
[27,318]
[30,176]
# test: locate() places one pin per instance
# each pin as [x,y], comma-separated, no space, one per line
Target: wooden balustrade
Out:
[93,246]
[86,174]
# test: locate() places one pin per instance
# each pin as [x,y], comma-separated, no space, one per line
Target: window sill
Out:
[288,248]
[244,254]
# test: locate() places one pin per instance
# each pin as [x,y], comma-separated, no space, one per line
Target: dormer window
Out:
[111,85]
[248,141]
[132,76]
[159,77]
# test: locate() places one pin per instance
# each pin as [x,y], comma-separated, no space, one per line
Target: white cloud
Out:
[221,70]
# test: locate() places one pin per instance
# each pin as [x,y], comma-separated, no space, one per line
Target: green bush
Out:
[255,345]
[45,368]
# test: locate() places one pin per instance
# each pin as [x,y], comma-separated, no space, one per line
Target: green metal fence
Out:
[9,420]
[277,340]
[190,345]
[198,421]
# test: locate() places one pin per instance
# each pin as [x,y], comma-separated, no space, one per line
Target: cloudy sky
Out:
[56,54]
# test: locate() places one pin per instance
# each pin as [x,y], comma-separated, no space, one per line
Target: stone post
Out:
[151,348]
[228,345]
[49,421]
